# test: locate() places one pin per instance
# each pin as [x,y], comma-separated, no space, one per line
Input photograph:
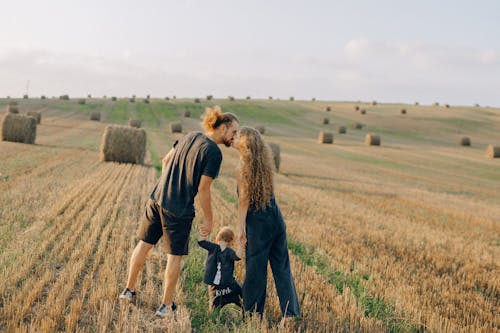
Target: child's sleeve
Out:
[209,246]
[234,256]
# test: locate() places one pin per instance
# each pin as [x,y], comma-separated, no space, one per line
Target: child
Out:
[222,286]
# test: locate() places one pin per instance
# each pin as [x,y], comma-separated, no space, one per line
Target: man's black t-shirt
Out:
[195,155]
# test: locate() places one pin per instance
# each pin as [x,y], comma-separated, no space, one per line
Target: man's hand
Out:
[205,229]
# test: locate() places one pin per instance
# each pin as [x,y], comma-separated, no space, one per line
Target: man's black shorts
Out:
[158,221]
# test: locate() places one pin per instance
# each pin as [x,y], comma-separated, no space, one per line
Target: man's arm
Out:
[206,205]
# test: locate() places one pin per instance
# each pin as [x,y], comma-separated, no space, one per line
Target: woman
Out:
[261,226]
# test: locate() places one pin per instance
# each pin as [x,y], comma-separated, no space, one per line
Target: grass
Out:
[373,306]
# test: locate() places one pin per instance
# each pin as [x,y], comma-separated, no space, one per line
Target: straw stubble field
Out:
[402,237]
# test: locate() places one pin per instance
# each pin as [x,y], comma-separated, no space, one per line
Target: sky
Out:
[343,50]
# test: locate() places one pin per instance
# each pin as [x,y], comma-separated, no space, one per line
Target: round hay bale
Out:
[447,106]
[197,100]
[270,97]
[25,96]
[342,130]
[132,100]
[113,98]
[417,103]
[176,127]
[209,97]
[356,108]
[372,139]
[146,101]
[81,101]
[493,151]
[326,121]
[261,129]
[249,98]
[123,144]
[148,96]
[89,96]
[476,105]
[135,123]
[167,98]
[12,109]
[18,128]
[328,109]
[64,97]
[357,125]
[43,97]
[95,115]
[174,97]
[463,141]
[275,150]
[403,111]
[35,114]
[292,98]
[363,111]
[104,96]
[374,103]
[187,113]
[230,98]
[436,104]
[313,99]
[325,137]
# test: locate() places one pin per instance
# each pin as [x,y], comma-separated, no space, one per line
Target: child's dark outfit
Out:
[219,268]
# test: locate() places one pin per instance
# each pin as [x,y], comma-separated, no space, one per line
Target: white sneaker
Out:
[128,295]
[163,310]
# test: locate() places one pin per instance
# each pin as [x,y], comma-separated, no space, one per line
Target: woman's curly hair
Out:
[256,168]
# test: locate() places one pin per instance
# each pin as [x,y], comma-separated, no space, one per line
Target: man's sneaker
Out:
[163,310]
[128,295]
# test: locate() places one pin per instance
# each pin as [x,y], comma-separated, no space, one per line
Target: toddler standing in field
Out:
[222,286]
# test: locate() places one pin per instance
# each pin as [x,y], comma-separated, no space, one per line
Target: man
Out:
[188,169]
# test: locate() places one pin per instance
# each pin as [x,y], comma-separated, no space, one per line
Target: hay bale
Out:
[113,98]
[493,151]
[403,111]
[35,114]
[89,96]
[148,96]
[12,109]
[326,121]
[174,97]
[313,99]
[230,98]
[417,103]
[82,101]
[463,141]
[342,130]
[18,128]
[363,111]
[328,109]
[104,96]
[167,98]
[132,100]
[64,97]
[197,100]
[374,103]
[176,127]
[356,108]
[95,115]
[275,150]
[436,104]
[325,137]
[43,97]
[25,96]
[292,98]
[146,101]
[261,129]
[123,144]
[210,97]
[187,113]
[476,105]
[357,125]
[270,97]
[447,106]
[372,139]
[134,123]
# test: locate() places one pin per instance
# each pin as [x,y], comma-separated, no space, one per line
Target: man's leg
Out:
[137,261]
[171,277]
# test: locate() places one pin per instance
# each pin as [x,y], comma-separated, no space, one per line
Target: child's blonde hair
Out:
[225,234]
